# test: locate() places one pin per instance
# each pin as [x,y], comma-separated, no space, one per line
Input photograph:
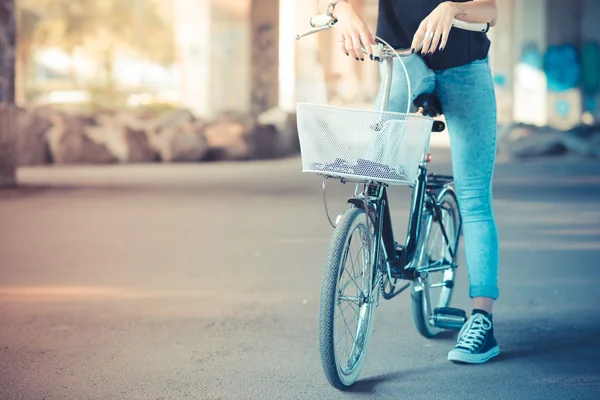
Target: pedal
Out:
[449,318]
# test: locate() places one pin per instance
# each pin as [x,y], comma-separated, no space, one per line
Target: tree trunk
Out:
[7,93]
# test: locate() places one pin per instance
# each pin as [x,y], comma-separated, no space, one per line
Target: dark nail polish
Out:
[348,54]
[412,51]
[356,58]
[362,59]
[371,57]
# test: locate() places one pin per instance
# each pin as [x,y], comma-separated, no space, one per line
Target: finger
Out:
[445,38]
[428,37]
[371,38]
[437,36]
[348,46]
[342,44]
[426,42]
[357,46]
[366,41]
[418,38]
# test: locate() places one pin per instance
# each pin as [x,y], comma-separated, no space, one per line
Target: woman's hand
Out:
[434,29]
[352,31]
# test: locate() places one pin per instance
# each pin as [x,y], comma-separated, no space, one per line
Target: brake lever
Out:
[319,24]
[310,32]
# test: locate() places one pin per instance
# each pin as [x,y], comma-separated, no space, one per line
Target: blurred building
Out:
[544,58]
[242,55]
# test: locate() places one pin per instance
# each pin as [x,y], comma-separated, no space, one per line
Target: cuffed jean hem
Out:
[484,291]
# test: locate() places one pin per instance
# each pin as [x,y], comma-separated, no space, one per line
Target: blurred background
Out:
[123,63]
[159,241]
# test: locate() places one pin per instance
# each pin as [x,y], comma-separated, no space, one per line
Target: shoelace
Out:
[472,335]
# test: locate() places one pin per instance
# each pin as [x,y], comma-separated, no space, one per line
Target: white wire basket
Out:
[362,145]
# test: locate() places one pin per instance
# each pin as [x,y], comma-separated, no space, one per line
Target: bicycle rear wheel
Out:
[436,263]
[347,299]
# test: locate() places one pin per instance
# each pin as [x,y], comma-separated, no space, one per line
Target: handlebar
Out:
[384,52]
[323,22]
[483,27]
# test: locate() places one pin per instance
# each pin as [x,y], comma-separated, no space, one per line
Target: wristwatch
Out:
[330,8]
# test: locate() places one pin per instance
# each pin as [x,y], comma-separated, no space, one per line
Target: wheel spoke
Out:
[354,299]
[348,329]
[344,331]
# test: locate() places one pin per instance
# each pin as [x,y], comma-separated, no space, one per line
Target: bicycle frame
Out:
[374,200]
[402,258]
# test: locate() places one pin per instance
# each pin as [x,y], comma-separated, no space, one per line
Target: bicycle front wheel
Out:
[347,299]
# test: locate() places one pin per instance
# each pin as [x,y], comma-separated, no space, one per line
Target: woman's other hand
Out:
[434,29]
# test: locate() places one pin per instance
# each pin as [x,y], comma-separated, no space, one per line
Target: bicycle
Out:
[373,150]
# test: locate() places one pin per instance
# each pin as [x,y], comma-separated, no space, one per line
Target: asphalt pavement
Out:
[201,281]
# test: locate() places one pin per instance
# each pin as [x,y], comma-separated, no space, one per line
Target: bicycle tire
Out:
[335,265]
[447,200]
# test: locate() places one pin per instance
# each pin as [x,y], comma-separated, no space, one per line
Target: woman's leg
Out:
[469,104]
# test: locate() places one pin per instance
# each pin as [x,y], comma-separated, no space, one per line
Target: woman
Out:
[452,64]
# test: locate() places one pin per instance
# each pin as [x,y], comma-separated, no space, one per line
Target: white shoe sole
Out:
[460,356]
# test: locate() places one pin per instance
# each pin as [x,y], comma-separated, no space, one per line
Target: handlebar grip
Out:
[471,26]
[320,20]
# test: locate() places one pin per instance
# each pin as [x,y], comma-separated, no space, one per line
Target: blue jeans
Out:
[466,94]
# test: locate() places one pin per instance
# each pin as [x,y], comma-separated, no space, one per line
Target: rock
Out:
[511,132]
[173,119]
[583,130]
[594,139]
[524,141]
[176,136]
[31,144]
[536,145]
[264,142]
[69,142]
[138,145]
[110,134]
[286,139]
[576,144]
[229,138]
[179,143]
[587,146]
[128,144]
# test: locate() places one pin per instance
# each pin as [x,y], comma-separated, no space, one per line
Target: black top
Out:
[399,20]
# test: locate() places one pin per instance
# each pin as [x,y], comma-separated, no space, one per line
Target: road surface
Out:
[202,282]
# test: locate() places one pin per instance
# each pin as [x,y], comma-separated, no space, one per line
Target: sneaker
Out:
[476,343]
